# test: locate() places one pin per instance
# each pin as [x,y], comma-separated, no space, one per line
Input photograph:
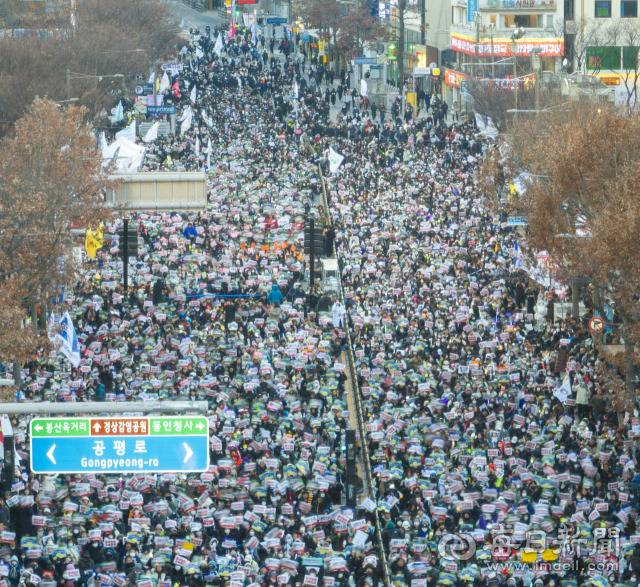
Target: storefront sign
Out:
[500,47]
[549,5]
[453,78]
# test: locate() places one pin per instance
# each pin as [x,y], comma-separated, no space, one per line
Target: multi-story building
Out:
[602,39]
[498,39]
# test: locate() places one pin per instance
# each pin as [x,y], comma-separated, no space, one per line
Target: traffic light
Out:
[129,240]
[9,454]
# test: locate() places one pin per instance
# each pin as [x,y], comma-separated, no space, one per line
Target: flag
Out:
[128,132]
[93,240]
[232,30]
[118,113]
[68,340]
[199,53]
[563,392]
[176,89]
[165,83]
[182,22]
[296,90]
[152,78]
[152,133]
[335,160]
[217,48]
[102,141]
[197,147]
[192,95]
[185,121]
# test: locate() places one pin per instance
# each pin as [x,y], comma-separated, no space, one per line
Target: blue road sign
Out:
[157,444]
[366,61]
[161,110]
[276,20]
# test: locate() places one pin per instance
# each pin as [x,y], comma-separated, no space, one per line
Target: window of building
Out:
[603,9]
[629,8]
[629,58]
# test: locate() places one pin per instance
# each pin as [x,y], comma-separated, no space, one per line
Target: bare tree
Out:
[625,35]
[584,207]
[586,33]
[50,177]
[111,37]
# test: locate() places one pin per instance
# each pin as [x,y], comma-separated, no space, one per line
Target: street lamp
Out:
[518,33]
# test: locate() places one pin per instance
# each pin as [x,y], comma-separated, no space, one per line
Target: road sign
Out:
[517,221]
[596,325]
[139,90]
[173,67]
[153,444]
[160,110]
[366,60]
[276,20]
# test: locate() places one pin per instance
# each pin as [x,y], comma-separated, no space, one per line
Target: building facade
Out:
[602,39]
[498,40]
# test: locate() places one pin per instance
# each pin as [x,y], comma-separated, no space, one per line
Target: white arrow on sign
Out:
[50,454]
[188,453]
[199,425]
[37,428]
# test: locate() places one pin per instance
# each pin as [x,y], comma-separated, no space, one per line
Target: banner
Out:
[500,47]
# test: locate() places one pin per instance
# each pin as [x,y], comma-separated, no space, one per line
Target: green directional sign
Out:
[126,444]
[60,427]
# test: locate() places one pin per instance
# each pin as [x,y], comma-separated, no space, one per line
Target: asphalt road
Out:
[193,18]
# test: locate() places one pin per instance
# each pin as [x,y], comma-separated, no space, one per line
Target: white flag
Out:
[197,147]
[152,133]
[218,46]
[563,392]
[182,22]
[68,340]
[209,151]
[165,83]
[296,90]
[118,113]
[335,160]
[185,123]
[152,78]
[363,87]
[192,95]
[128,132]
[199,53]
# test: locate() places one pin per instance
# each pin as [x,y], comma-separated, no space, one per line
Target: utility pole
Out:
[125,256]
[312,254]
[477,63]
[68,83]
[423,24]
[402,7]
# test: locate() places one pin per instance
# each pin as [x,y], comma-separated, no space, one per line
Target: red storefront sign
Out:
[504,47]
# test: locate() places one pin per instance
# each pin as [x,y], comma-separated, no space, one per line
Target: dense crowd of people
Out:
[458,364]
